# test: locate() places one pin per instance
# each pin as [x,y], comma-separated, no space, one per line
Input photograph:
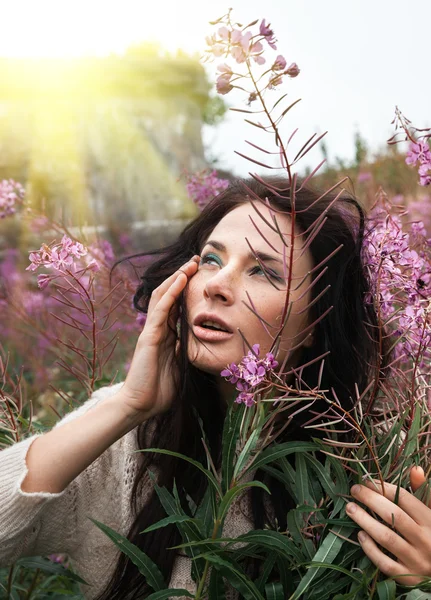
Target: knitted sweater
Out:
[39,524]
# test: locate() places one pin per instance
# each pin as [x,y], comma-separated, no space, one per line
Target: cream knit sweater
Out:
[38,524]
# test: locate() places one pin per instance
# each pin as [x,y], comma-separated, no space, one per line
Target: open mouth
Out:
[213,326]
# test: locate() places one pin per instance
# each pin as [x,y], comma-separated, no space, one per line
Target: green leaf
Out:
[301,481]
[233,493]
[206,512]
[274,591]
[170,593]
[265,570]
[326,553]
[386,589]
[197,464]
[37,562]
[246,452]
[418,595]
[145,565]
[274,453]
[236,577]
[216,588]
[167,521]
[231,431]
[273,540]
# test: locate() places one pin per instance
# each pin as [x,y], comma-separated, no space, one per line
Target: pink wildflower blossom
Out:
[249,373]
[279,64]
[293,70]
[202,187]
[11,195]
[268,34]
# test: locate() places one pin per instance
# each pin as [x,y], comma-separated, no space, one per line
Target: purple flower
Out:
[268,34]
[43,281]
[246,398]
[279,64]
[11,195]
[254,373]
[232,373]
[418,151]
[202,187]
[269,361]
[223,84]
[293,70]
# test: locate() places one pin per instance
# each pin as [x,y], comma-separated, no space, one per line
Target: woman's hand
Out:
[407,534]
[150,385]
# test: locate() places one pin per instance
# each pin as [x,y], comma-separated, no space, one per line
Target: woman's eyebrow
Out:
[260,255]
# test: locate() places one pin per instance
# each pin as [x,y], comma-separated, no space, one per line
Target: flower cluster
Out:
[399,267]
[420,152]
[203,186]
[63,258]
[243,46]
[11,194]
[250,372]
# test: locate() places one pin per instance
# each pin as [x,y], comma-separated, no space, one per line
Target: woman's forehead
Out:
[244,222]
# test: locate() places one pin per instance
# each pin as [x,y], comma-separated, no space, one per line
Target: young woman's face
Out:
[229,277]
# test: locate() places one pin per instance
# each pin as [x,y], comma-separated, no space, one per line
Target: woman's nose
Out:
[220,287]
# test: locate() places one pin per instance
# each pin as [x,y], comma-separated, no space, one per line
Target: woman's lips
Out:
[211,335]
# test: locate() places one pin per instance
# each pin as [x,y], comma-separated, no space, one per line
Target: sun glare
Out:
[66,29]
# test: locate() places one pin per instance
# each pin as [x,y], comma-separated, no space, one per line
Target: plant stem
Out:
[207,564]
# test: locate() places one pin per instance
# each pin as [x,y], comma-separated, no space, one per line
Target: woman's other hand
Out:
[406,535]
[150,385]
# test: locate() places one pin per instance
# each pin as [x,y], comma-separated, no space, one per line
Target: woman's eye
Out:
[269,273]
[210,259]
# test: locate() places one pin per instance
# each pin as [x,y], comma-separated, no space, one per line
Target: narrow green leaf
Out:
[37,562]
[145,565]
[197,464]
[233,493]
[170,593]
[272,540]
[236,577]
[266,570]
[274,453]
[326,553]
[386,589]
[216,588]
[231,431]
[246,452]
[418,595]
[301,481]
[274,591]
[206,512]
[167,521]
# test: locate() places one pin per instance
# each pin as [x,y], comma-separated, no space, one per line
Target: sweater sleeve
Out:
[41,523]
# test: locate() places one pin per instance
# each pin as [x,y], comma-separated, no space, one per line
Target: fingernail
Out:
[356,489]
[362,536]
[351,508]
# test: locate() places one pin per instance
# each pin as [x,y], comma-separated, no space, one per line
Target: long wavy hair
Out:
[349,332]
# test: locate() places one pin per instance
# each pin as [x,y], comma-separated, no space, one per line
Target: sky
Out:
[358,58]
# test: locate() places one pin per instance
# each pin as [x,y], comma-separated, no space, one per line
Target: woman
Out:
[202,296]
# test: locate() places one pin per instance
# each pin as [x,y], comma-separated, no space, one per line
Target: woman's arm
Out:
[56,458]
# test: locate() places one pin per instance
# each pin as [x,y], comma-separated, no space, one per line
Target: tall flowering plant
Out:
[388,426]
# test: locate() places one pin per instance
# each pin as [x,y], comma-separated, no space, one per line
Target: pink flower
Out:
[279,64]
[267,32]
[419,151]
[223,84]
[293,70]
[11,195]
[43,281]
[364,176]
[202,187]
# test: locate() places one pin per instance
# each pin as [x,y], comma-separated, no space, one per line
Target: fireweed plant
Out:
[306,442]
[282,436]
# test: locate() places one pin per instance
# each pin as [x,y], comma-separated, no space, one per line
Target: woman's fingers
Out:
[385,563]
[187,268]
[177,282]
[406,502]
[383,535]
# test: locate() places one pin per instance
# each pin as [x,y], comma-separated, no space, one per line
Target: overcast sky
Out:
[358,58]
